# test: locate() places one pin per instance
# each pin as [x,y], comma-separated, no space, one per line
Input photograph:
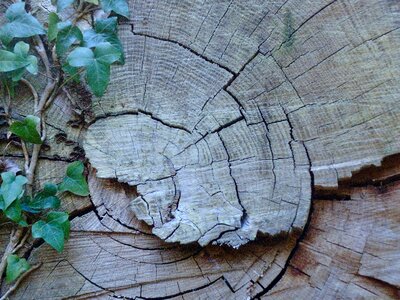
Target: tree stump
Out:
[227,123]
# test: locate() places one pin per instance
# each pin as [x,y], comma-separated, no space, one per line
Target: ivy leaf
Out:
[97,64]
[80,57]
[62,220]
[14,213]
[26,129]
[72,72]
[98,73]
[66,37]
[63,4]
[54,230]
[2,205]
[46,198]
[105,53]
[118,6]
[75,182]
[21,50]
[10,61]
[15,267]
[96,2]
[11,187]
[20,24]
[52,30]
[33,64]
[105,30]
[98,77]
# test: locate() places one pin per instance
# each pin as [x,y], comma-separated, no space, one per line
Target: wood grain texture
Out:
[204,172]
[252,100]
[351,250]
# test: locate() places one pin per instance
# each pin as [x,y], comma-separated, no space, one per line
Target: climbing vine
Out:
[61,51]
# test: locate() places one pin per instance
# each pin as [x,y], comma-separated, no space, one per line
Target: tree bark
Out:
[234,124]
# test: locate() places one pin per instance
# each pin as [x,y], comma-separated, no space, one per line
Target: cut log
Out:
[225,117]
[204,172]
[351,250]
[220,152]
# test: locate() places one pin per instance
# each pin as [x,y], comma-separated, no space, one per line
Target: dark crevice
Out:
[287,263]
[228,124]
[136,113]
[230,81]
[244,216]
[378,176]
[185,47]
[191,290]
[55,158]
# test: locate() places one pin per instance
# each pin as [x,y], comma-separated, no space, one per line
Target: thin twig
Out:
[22,242]
[26,155]
[17,283]
[81,11]
[32,167]
[6,147]
[44,75]
[33,90]
[7,100]
[15,237]
[41,50]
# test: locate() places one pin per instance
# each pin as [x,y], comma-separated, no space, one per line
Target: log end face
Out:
[225,187]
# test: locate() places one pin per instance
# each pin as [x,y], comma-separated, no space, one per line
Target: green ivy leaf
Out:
[33,64]
[20,24]
[14,213]
[80,57]
[62,219]
[11,187]
[54,230]
[75,182]
[46,198]
[67,36]
[26,129]
[97,64]
[98,73]
[96,2]
[52,30]
[72,72]
[118,6]
[98,77]
[21,50]
[2,204]
[105,30]
[10,61]
[106,53]
[15,267]
[18,61]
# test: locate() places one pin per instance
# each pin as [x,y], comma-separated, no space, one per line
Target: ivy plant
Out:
[63,49]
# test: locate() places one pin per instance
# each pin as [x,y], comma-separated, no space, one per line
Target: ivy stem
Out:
[49,93]
[22,242]
[26,155]
[33,90]
[17,283]
[15,237]
[41,50]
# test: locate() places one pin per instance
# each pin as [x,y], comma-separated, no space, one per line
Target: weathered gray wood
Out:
[324,78]
[204,172]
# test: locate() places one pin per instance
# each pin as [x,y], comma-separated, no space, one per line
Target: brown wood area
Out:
[247,149]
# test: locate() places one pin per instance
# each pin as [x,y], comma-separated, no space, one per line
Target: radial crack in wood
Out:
[203,172]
